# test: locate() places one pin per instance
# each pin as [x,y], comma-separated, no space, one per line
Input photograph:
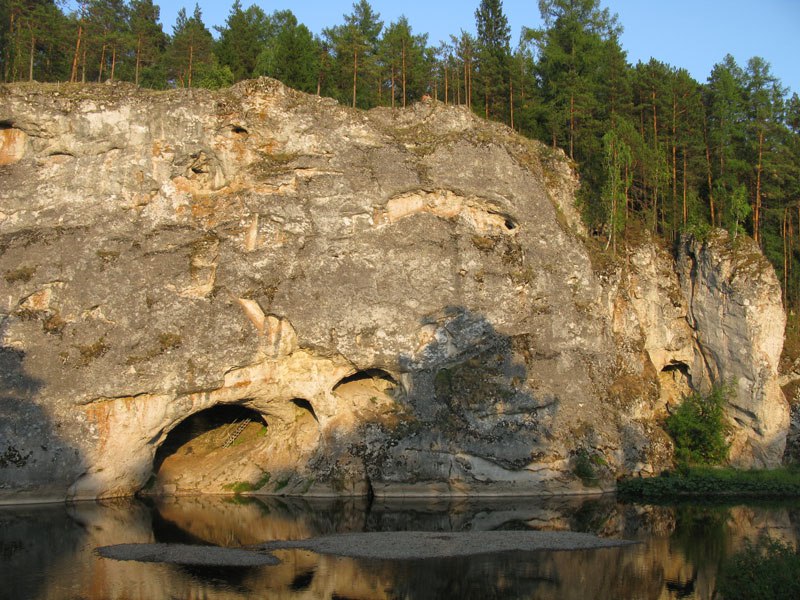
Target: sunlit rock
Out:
[404,299]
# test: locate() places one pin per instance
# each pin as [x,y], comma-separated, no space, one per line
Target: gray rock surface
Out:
[406,297]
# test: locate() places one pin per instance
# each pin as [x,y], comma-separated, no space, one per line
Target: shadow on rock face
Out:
[35,462]
[475,421]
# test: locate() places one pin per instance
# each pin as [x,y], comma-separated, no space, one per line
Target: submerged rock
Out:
[405,297]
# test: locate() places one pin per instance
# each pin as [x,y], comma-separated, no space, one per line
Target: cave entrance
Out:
[204,446]
[676,382]
[372,390]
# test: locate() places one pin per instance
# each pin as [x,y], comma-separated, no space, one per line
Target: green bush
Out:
[768,570]
[698,428]
[707,481]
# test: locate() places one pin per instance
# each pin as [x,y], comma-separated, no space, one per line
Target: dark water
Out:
[48,551]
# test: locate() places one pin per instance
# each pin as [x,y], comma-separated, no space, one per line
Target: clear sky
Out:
[693,34]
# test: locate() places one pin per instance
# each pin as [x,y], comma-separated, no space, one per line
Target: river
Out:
[47,551]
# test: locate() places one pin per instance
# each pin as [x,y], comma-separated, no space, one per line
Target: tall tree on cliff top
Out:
[108,35]
[241,40]
[191,47]
[571,52]
[355,46]
[32,41]
[494,57]
[764,106]
[725,116]
[149,39]
[403,60]
[291,54]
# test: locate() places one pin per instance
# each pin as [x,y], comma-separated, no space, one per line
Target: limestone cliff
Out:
[403,298]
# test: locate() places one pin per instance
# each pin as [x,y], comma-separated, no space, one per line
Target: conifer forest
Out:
[656,150]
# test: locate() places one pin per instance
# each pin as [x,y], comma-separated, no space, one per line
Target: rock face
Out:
[731,293]
[404,297]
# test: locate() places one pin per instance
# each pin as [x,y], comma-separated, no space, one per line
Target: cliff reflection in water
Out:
[48,552]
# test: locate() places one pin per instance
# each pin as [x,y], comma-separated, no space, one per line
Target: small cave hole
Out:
[239,130]
[305,405]
[6,125]
[371,389]
[676,369]
[510,225]
[209,430]
[375,375]
[302,581]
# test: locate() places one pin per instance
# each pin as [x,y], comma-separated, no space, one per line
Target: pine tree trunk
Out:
[113,60]
[393,90]
[191,61]
[655,150]
[757,207]
[446,87]
[404,75]
[138,58]
[685,204]
[511,99]
[785,254]
[674,161]
[355,75]
[74,73]
[708,169]
[102,63]
[31,53]
[572,126]
[7,64]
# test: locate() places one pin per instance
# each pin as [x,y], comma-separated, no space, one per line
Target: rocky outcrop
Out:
[403,297]
[735,306]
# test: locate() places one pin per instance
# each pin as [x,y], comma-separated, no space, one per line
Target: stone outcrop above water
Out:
[405,297]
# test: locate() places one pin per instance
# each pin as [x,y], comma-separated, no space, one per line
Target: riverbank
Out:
[711,481]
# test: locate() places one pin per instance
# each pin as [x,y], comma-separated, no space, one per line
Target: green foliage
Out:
[618,161]
[707,481]
[698,428]
[738,210]
[239,487]
[585,467]
[213,76]
[766,570]
[241,40]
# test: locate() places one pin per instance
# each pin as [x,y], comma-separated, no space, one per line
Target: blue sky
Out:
[693,34]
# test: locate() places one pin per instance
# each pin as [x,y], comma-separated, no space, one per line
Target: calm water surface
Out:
[48,551]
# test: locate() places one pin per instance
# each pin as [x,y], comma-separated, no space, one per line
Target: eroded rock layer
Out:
[403,298]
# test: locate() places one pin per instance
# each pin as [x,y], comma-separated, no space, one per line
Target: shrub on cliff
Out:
[698,428]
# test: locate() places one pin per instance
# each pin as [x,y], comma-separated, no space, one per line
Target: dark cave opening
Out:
[367,375]
[305,405]
[225,419]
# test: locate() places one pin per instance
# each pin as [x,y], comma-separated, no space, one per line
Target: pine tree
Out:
[149,40]
[355,46]
[494,55]
[191,47]
[764,102]
[292,54]
[242,39]
[724,102]
[402,58]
